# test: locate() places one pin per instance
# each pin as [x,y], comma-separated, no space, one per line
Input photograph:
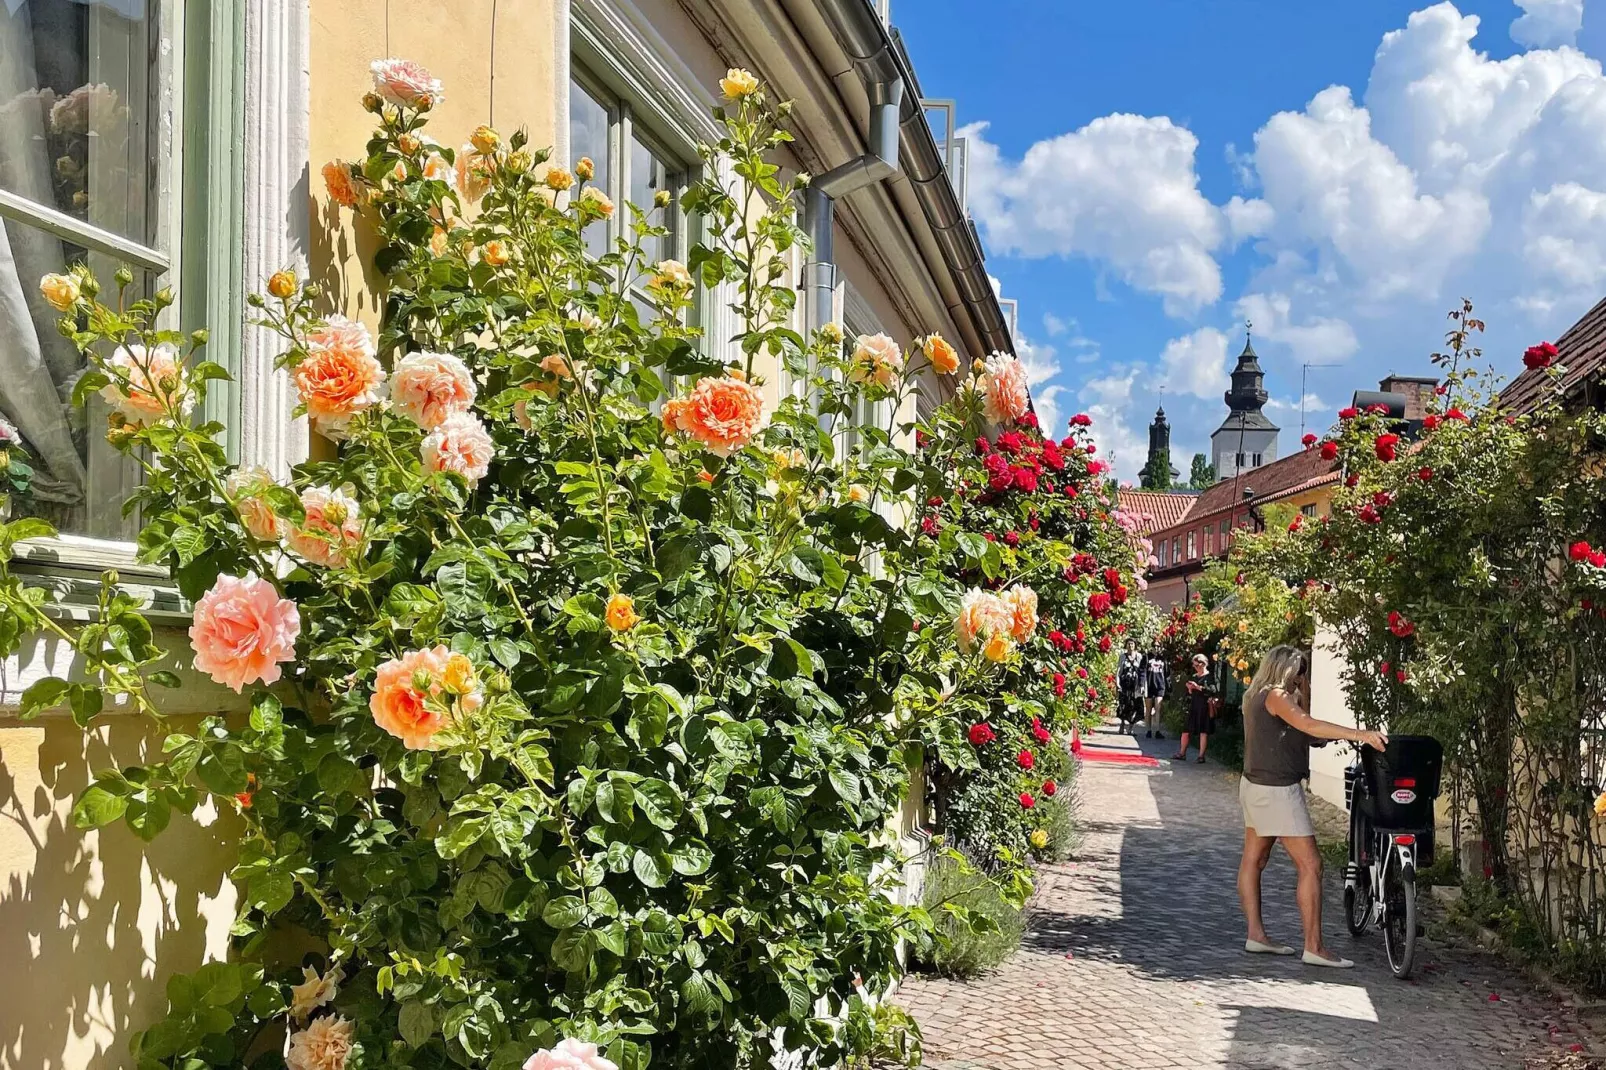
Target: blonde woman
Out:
[1278,734]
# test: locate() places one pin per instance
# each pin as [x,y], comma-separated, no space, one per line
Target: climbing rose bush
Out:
[586,675]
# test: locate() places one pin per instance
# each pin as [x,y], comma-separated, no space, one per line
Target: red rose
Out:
[1598,559]
[1400,626]
[1401,675]
[983,446]
[1098,605]
[922,440]
[1378,409]
[1104,640]
[1309,441]
[1424,473]
[1081,419]
[1025,759]
[1349,412]
[981,735]
[1455,414]
[1081,671]
[1385,446]
[1070,491]
[1119,597]
[1352,479]
[1028,419]
[1059,687]
[1039,733]
[1539,356]
[1012,538]
[1026,800]
[1296,523]
[1384,669]
[1369,514]
[1049,788]
[928,526]
[1383,499]
[1579,551]
[1430,421]
[1329,451]
[1097,468]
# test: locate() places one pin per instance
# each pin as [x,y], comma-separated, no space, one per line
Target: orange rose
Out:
[339,377]
[985,616]
[342,187]
[406,701]
[943,356]
[621,613]
[723,414]
[1022,601]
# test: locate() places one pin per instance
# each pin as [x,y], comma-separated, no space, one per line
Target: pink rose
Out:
[339,377]
[1003,386]
[242,630]
[983,615]
[570,1054]
[428,387]
[459,444]
[411,714]
[245,485]
[406,84]
[332,531]
[876,359]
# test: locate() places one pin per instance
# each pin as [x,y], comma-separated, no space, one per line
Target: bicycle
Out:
[1390,796]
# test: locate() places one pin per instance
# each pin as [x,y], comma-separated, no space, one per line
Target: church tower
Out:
[1246,439]
[1159,474]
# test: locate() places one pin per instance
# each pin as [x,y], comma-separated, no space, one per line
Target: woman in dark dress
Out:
[1201,688]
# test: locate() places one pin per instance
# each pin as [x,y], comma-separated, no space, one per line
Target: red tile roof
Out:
[1279,479]
[1583,354]
[1155,509]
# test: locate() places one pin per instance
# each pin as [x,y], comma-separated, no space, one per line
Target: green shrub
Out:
[977,926]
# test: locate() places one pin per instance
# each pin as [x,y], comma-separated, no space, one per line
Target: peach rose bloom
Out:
[341,185]
[313,992]
[400,708]
[982,615]
[155,384]
[876,359]
[473,173]
[597,201]
[339,377]
[459,444]
[428,387]
[60,291]
[722,414]
[570,1054]
[332,531]
[859,493]
[584,318]
[621,613]
[245,485]
[405,83]
[436,169]
[1003,386]
[1022,601]
[556,364]
[671,274]
[242,630]
[323,1045]
[997,647]
[943,356]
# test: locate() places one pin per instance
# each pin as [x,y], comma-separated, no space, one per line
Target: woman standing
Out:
[1155,682]
[1201,688]
[1129,677]
[1278,736]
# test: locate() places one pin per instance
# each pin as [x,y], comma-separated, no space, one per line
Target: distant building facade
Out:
[1246,439]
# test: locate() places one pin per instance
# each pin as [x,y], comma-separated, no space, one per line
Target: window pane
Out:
[648,175]
[75,89]
[588,136]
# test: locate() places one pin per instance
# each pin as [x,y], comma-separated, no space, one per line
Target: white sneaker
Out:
[1313,959]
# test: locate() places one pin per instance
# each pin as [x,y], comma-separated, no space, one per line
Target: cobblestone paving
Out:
[1134,959]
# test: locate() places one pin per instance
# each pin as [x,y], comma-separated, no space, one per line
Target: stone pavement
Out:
[1133,959]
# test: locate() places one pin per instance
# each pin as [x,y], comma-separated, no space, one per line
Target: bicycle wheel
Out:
[1358,904]
[1399,916]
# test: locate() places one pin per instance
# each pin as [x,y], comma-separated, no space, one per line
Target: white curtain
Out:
[37,365]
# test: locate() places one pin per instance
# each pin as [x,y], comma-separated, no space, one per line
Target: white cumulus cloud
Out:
[1544,23]
[1121,190]
[1196,364]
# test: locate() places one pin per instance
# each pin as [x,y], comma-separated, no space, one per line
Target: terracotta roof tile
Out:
[1280,478]
[1583,354]
[1162,508]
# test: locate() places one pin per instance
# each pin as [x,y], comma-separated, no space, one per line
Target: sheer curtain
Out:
[37,365]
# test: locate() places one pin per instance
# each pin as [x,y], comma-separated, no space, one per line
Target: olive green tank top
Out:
[1276,754]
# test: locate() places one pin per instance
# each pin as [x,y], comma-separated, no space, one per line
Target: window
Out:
[1256,463]
[1176,550]
[1209,539]
[630,166]
[1238,460]
[82,161]
[1193,549]
[1308,509]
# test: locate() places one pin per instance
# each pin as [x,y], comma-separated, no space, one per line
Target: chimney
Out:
[1417,390]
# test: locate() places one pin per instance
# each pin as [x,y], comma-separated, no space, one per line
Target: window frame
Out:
[197,74]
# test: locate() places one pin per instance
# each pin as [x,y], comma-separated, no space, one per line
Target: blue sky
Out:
[1152,173]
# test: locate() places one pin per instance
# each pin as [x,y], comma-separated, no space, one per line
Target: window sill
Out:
[70,567]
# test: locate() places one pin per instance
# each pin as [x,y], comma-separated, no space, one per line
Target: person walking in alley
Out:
[1278,735]
[1201,688]
[1155,682]
[1130,674]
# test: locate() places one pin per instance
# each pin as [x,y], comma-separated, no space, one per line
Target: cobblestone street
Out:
[1134,959]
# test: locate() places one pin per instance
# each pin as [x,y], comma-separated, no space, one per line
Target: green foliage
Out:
[980,922]
[1201,474]
[1156,474]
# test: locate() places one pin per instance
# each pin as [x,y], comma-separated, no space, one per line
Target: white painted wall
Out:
[1329,701]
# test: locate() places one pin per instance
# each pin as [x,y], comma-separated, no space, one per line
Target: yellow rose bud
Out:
[998,647]
[832,333]
[738,83]
[559,179]
[371,102]
[943,357]
[459,675]
[662,199]
[977,366]
[519,162]
[282,284]
[1039,838]
[584,169]
[60,291]
[621,613]
[409,143]
[485,140]
[495,252]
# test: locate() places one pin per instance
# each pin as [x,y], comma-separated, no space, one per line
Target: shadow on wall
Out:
[92,924]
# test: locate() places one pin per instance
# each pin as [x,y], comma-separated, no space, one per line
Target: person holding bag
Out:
[1201,689]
